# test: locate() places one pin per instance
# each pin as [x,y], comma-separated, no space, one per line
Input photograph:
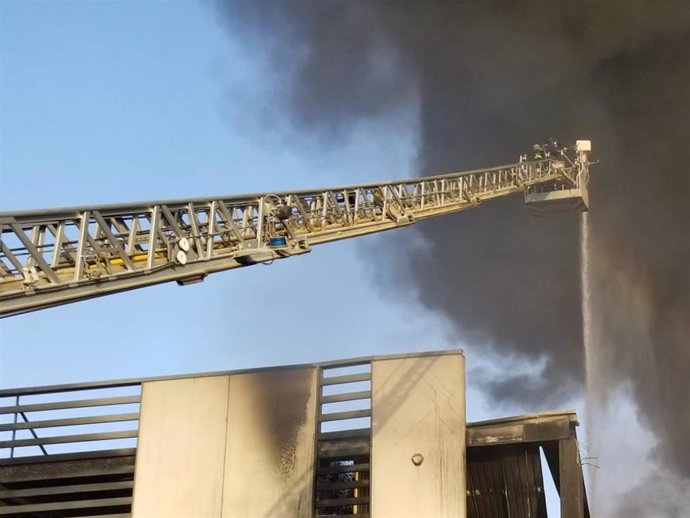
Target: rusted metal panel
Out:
[549,426]
[505,482]
[504,465]
[495,435]
[571,483]
[418,438]
[269,457]
[180,462]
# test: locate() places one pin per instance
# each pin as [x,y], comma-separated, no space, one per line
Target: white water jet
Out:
[586,304]
[593,380]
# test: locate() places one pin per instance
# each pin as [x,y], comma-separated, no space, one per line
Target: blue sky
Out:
[122,101]
[105,102]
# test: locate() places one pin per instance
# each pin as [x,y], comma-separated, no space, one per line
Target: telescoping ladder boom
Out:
[56,256]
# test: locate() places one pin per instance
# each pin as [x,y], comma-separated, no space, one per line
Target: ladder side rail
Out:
[59,256]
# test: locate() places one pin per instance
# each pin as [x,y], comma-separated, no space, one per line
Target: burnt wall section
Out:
[269,457]
[227,446]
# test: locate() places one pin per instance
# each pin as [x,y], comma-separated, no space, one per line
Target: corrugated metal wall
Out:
[505,482]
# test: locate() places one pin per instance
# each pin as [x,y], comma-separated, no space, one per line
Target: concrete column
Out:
[181,448]
[418,437]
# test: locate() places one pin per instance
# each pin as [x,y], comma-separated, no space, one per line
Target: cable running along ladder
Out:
[56,256]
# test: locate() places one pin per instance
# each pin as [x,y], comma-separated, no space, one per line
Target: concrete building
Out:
[381,437]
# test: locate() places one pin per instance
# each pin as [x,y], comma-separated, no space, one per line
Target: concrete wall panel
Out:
[180,456]
[418,407]
[269,466]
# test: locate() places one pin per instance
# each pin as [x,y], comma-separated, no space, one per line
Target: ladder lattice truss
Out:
[51,257]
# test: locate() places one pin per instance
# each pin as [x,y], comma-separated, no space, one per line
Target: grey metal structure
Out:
[292,443]
[56,256]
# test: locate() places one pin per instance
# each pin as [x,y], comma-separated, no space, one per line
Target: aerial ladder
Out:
[57,256]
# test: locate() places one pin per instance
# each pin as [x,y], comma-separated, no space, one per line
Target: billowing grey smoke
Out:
[490,80]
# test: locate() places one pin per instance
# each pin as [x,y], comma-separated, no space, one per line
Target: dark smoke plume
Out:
[490,79]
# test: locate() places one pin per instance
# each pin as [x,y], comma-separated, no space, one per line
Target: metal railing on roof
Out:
[68,420]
